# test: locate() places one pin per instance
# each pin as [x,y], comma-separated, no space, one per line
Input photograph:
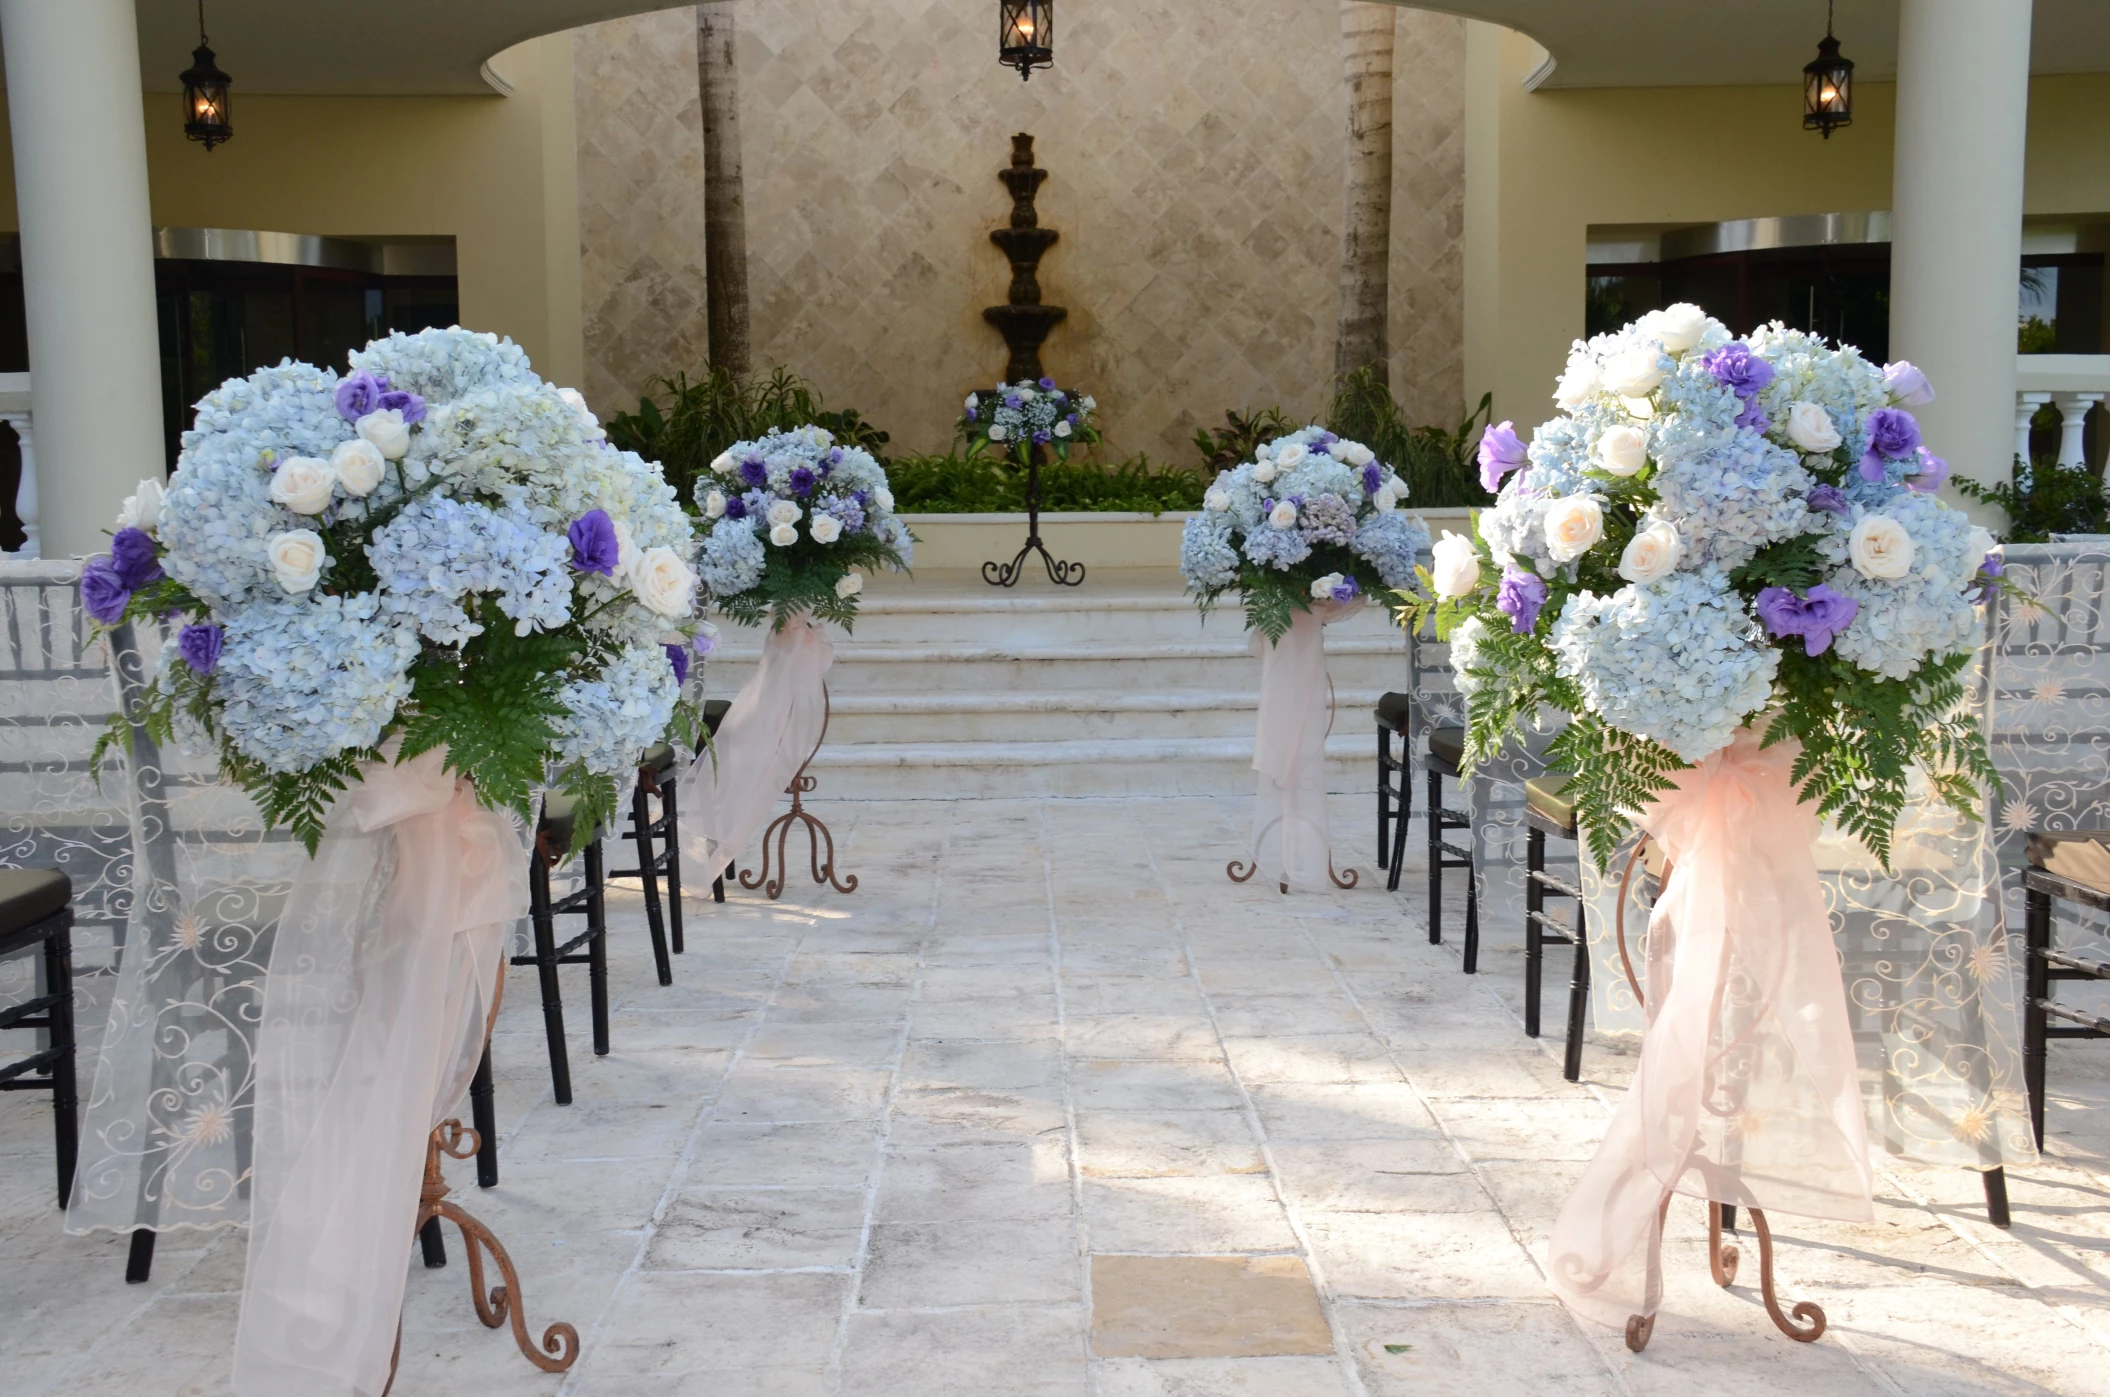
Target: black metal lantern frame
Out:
[206,118]
[1026,35]
[1827,86]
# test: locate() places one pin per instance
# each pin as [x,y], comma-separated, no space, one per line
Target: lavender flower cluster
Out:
[803,495]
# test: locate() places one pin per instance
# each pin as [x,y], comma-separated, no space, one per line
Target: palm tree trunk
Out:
[1366,234]
[724,190]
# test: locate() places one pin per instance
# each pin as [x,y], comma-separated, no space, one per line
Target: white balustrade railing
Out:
[14,410]
[2072,383]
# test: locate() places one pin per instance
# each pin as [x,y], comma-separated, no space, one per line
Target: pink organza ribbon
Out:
[1289,749]
[1746,1091]
[768,733]
[381,985]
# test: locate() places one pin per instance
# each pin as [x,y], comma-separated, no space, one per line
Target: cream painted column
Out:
[87,258]
[1962,114]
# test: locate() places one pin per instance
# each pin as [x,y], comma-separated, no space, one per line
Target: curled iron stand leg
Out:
[780,831]
[1808,1313]
[1721,1256]
[1060,573]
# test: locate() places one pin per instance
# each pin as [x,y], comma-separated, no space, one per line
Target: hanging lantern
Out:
[1827,85]
[205,112]
[1026,35]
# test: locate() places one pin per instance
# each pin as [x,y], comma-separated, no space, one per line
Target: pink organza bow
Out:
[774,724]
[381,984]
[1746,1091]
[1289,748]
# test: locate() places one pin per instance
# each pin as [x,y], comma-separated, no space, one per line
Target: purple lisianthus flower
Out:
[1753,416]
[1736,368]
[1989,572]
[802,480]
[1907,385]
[1521,597]
[1048,385]
[104,593]
[1500,453]
[735,507]
[1817,616]
[835,455]
[200,646]
[409,404]
[1932,472]
[593,543]
[1893,433]
[359,395]
[1372,478]
[1040,437]
[1347,591]
[1829,498]
[132,555]
[971,416]
[755,471]
[1013,400]
[705,640]
[678,656]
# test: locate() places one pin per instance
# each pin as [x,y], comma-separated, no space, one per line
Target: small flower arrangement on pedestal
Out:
[1310,518]
[1719,529]
[1013,418]
[789,520]
[440,548]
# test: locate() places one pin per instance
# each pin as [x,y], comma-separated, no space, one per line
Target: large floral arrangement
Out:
[788,522]
[1014,419]
[1310,518]
[439,548]
[1721,531]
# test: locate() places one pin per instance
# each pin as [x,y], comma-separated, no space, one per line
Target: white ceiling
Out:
[1736,43]
[440,46]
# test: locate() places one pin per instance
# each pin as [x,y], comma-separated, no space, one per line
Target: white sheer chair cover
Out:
[1931,996]
[1291,832]
[774,724]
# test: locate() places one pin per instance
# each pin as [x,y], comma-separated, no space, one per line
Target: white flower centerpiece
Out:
[1719,528]
[438,550]
[792,522]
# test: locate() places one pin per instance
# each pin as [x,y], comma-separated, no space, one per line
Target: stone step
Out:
[898,618]
[1065,715]
[1091,767]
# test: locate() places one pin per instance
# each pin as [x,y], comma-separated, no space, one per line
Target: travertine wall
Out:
[1196,158]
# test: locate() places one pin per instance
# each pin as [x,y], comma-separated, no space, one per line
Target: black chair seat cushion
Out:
[1547,797]
[658,759]
[1392,710]
[559,815]
[2080,856]
[714,711]
[1447,747]
[29,895]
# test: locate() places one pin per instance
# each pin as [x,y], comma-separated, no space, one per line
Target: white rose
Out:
[1025,394]
[1062,429]
[1679,327]
[996,433]
[784,535]
[576,401]
[1385,500]
[1573,527]
[714,505]
[1287,457]
[851,584]
[1634,373]
[1455,566]
[1359,455]
[386,429]
[1091,404]
[884,498]
[663,582]
[826,528]
[359,465]
[303,484]
[1810,427]
[1338,450]
[143,510]
[1578,381]
[296,557]
[1264,452]
[1283,515]
[1264,470]
[973,401]
[1216,498]
[722,463]
[1881,549]
[1623,451]
[626,554]
[784,512]
[1981,546]
[1650,554]
[1322,587]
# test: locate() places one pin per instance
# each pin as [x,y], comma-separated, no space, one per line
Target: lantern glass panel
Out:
[1026,34]
[206,115]
[1828,89]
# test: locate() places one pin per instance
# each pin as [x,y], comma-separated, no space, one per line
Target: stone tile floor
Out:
[1050,1107]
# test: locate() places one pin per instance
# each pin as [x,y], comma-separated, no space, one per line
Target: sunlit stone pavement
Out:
[1048,1107]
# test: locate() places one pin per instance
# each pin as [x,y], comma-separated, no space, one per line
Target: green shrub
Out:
[1239,437]
[2045,499]
[961,483]
[1437,464]
[704,416]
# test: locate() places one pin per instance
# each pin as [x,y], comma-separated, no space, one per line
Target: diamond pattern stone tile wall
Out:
[1196,159]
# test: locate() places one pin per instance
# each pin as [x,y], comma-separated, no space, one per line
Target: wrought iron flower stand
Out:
[816,832]
[1721,1261]
[1062,574]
